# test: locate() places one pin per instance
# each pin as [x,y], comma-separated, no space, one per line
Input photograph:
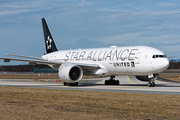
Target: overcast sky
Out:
[89,24]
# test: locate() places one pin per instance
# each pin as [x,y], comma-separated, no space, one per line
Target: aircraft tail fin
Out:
[49,42]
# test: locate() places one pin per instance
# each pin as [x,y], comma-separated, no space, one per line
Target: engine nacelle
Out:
[143,78]
[70,73]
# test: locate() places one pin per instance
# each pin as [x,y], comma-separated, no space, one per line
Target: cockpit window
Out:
[159,56]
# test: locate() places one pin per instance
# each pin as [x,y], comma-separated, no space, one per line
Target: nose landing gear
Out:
[152,78]
[151,84]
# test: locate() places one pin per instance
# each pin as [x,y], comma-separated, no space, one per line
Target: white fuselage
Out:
[131,60]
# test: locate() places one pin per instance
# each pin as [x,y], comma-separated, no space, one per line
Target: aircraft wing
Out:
[31,61]
[84,66]
[25,56]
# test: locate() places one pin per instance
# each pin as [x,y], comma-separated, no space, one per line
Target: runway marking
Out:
[129,79]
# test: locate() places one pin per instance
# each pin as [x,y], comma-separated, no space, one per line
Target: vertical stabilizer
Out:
[49,42]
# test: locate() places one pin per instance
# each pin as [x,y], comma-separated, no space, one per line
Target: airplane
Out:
[141,61]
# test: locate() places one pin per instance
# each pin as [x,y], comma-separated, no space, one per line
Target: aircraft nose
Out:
[165,63]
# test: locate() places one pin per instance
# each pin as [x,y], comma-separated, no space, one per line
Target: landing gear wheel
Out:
[112,81]
[70,84]
[76,84]
[117,82]
[151,84]
[65,83]
[106,82]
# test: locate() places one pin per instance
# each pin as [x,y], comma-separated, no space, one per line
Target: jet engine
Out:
[70,73]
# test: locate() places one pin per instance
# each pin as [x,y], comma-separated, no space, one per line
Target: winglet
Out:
[49,42]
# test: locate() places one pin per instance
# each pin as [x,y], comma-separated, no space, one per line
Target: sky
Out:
[89,24]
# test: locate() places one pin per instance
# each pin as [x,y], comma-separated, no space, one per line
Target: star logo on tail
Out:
[48,43]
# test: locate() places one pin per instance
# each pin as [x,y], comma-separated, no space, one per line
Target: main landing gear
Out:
[70,84]
[112,81]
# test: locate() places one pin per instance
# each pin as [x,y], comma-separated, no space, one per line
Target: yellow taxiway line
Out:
[129,79]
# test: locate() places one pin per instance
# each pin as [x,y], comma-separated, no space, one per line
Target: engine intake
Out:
[70,73]
[74,73]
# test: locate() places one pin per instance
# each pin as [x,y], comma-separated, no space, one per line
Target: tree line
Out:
[174,64]
[29,68]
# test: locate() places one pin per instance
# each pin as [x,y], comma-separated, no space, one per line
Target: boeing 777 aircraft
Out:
[141,61]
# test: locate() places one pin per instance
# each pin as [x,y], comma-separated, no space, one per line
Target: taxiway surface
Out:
[128,84]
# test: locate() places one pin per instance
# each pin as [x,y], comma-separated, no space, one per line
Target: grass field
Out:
[45,104]
[172,77]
